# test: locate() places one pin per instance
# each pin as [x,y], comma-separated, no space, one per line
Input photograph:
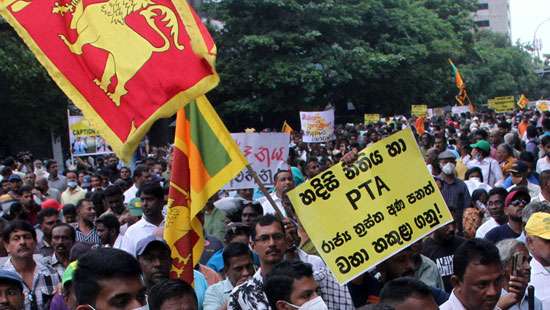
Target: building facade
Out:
[494,15]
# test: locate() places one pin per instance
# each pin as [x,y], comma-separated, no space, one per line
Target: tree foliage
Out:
[277,57]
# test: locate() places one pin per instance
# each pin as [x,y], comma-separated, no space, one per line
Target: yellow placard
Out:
[419,109]
[372,118]
[357,216]
[502,104]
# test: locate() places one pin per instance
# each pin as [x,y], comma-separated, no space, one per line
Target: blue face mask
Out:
[72,184]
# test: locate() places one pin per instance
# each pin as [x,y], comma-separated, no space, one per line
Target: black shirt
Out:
[500,233]
[442,255]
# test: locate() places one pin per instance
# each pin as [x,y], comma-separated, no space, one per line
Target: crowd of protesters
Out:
[91,237]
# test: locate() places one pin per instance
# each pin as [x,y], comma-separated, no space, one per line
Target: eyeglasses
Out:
[519,202]
[275,237]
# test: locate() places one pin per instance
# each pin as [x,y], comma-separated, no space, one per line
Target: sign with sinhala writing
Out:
[502,104]
[419,110]
[265,152]
[371,118]
[318,127]
[359,215]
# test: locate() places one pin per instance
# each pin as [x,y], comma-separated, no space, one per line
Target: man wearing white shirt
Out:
[544,162]
[544,195]
[538,243]
[477,277]
[490,168]
[495,207]
[152,201]
[141,174]
[283,183]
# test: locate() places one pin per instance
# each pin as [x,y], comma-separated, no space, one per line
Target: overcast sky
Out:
[526,16]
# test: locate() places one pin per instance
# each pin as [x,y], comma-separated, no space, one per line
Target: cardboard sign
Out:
[372,118]
[457,110]
[357,216]
[84,139]
[502,104]
[317,126]
[266,152]
[419,110]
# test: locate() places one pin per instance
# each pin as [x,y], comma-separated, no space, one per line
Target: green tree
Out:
[32,104]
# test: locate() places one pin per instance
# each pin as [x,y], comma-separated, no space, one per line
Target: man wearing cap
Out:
[154,257]
[11,291]
[514,203]
[454,191]
[538,243]
[490,168]
[519,172]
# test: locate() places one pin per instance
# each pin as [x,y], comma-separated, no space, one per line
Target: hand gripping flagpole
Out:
[264,190]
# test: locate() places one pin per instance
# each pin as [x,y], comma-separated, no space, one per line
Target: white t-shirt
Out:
[543,164]
[486,227]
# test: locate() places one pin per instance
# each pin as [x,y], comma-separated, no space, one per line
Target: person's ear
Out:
[455,282]
[281,305]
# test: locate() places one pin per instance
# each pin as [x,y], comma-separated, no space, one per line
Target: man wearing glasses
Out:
[495,207]
[514,203]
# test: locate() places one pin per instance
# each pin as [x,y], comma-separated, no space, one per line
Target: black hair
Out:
[110,222]
[478,193]
[232,232]
[256,206]
[544,177]
[498,191]
[472,170]
[476,250]
[49,163]
[480,132]
[17,225]
[152,188]
[265,220]
[69,209]
[279,171]
[25,189]
[70,227]
[140,169]
[545,140]
[101,264]
[165,290]
[112,190]
[546,122]
[527,157]
[278,283]
[46,213]
[234,250]
[531,131]
[397,291]
[81,202]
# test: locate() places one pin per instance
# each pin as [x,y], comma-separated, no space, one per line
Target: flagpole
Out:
[264,190]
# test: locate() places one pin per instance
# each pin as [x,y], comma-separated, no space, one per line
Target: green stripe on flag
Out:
[213,153]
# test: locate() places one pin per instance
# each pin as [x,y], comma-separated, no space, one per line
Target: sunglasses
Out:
[519,202]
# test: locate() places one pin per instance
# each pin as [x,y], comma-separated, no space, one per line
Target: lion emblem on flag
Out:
[103,26]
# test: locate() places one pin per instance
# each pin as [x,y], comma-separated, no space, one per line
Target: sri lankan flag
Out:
[286,128]
[205,158]
[124,63]
[523,101]
[458,78]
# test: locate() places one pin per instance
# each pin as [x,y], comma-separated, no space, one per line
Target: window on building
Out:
[482,23]
[483,6]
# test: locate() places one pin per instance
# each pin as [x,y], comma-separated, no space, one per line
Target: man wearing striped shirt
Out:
[85,229]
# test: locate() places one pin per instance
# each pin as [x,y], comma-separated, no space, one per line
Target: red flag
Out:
[124,63]
[419,125]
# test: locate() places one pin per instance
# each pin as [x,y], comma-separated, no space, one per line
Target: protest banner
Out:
[317,126]
[265,152]
[543,105]
[419,110]
[371,118]
[84,139]
[358,215]
[457,110]
[502,104]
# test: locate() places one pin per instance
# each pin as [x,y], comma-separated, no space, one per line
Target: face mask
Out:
[448,168]
[316,303]
[71,184]
[475,179]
